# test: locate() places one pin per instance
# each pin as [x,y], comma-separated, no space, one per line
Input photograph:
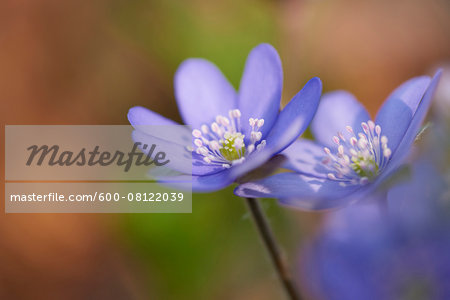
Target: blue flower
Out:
[368,252]
[235,132]
[352,154]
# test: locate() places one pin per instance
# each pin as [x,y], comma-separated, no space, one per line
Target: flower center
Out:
[222,142]
[360,158]
[233,147]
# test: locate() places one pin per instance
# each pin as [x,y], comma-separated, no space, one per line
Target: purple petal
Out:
[139,115]
[336,111]
[305,156]
[260,88]
[413,127]
[207,183]
[174,145]
[291,123]
[174,141]
[395,115]
[299,191]
[250,163]
[202,92]
[210,183]
[200,167]
[180,159]
[295,117]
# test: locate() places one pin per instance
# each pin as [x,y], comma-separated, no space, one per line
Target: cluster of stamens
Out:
[359,158]
[222,143]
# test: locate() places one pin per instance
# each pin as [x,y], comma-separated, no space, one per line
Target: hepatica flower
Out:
[352,153]
[364,252]
[233,132]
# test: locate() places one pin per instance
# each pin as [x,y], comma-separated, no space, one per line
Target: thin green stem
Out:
[272,247]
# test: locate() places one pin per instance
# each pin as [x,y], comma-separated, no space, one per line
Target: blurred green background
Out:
[72,62]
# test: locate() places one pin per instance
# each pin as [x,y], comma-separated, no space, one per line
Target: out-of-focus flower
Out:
[352,154]
[396,252]
[234,133]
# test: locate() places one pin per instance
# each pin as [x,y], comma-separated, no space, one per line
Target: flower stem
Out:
[272,247]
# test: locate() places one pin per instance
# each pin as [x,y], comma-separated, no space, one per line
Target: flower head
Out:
[360,158]
[233,132]
[352,154]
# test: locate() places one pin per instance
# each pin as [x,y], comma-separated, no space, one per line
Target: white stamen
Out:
[196,133]
[236,113]
[331,176]
[238,161]
[362,143]
[214,145]
[258,135]
[215,127]
[365,127]
[198,142]
[250,148]
[364,180]
[378,129]
[202,150]
[336,140]
[224,121]
[238,143]
[261,145]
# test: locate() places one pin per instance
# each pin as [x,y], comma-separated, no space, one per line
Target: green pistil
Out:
[364,167]
[229,151]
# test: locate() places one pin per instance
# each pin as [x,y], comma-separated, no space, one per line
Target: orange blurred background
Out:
[72,62]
